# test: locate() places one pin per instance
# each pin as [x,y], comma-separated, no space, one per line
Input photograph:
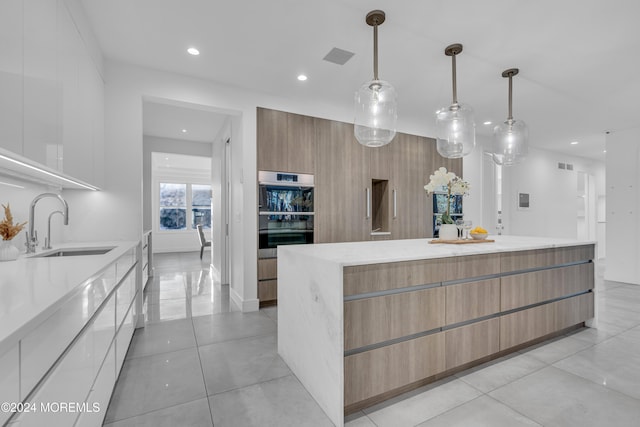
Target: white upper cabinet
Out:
[52,103]
[77,74]
[11,75]
[69,51]
[42,129]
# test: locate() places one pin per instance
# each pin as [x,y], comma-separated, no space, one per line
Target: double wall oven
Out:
[285,211]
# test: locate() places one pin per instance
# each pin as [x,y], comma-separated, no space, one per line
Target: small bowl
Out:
[479,236]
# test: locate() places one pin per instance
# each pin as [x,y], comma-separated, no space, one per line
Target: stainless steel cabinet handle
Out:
[395,203]
[368,203]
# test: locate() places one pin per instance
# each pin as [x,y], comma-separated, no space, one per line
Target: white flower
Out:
[453,184]
[459,187]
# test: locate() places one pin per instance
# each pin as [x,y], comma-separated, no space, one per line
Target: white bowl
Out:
[479,236]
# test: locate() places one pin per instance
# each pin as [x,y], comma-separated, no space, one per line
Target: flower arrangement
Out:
[7,229]
[455,186]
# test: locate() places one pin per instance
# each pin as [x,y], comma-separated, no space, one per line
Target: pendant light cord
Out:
[510,98]
[453,76]
[375,52]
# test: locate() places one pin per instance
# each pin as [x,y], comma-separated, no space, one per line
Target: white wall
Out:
[622,208]
[473,170]
[219,202]
[552,192]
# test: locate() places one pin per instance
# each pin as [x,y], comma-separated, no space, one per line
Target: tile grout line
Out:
[206,391]
[290,374]
[149,412]
[515,410]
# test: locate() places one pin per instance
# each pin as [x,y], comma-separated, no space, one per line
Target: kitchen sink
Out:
[75,252]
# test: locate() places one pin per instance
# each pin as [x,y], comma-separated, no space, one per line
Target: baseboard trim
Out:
[246,305]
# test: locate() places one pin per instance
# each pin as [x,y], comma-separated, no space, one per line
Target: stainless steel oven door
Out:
[285,211]
[284,229]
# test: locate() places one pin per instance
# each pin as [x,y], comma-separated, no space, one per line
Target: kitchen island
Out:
[361,322]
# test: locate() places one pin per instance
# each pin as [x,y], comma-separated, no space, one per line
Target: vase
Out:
[8,252]
[448,232]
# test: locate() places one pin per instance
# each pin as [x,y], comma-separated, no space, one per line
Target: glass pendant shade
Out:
[376,102]
[455,127]
[455,131]
[510,142]
[510,138]
[376,113]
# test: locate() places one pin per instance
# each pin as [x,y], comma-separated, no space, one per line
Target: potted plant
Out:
[9,230]
[441,180]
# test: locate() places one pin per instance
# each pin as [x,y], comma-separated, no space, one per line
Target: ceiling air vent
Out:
[562,166]
[338,56]
[569,167]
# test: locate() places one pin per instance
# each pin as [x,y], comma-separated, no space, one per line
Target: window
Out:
[201,205]
[183,206]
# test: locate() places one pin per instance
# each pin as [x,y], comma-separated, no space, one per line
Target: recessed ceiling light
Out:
[193,51]
[604,151]
[302,77]
[488,122]
[184,131]
[574,143]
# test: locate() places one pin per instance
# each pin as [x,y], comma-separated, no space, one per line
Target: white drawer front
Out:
[124,263]
[69,382]
[124,339]
[42,347]
[9,380]
[104,331]
[124,296]
[98,399]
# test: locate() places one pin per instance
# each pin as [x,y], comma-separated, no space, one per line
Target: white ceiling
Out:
[578,59]
[182,123]
[161,162]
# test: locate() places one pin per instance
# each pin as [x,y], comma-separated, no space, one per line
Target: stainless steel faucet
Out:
[47,240]
[32,236]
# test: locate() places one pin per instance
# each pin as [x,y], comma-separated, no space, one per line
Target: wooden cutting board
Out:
[461,242]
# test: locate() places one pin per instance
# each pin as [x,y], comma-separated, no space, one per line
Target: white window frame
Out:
[156,202]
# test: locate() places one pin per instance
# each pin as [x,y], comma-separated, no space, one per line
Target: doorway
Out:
[183,129]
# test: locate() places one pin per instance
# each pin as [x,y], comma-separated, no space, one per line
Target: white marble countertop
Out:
[32,288]
[374,252]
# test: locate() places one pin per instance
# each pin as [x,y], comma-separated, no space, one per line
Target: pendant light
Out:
[455,127]
[376,102]
[511,138]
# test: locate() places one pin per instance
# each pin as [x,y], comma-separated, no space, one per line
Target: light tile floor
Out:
[201,362]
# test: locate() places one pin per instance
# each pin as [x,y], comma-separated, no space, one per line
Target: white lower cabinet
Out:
[9,380]
[72,384]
